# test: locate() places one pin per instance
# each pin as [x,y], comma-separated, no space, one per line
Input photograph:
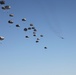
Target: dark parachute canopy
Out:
[41,35]
[6,7]
[17,25]
[1,38]
[31,24]
[24,19]
[3,8]
[29,28]
[45,47]
[26,36]
[25,29]
[11,15]
[2,2]
[10,21]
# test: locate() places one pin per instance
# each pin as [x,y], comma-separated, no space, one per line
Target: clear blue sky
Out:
[53,19]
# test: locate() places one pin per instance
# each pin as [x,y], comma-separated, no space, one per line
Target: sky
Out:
[53,19]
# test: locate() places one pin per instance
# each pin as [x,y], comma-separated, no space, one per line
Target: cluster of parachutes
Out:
[32,27]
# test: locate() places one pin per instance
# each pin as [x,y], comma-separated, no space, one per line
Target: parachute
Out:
[25,29]
[37,41]
[1,38]
[7,7]
[24,19]
[33,27]
[31,24]
[11,15]
[34,35]
[2,2]
[45,47]
[10,21]
[26,36]
[17,25]
[29,28]
[41,35]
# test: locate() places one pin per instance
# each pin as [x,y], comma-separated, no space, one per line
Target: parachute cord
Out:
[57,33]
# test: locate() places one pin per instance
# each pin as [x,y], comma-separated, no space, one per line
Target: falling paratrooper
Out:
[31,24]
[2,2]
[17,25]
[29,28]
[10,21]
[7,7]
[26,36]
[41,35]
[45,47]
[1,38]
[11,15]
[24,19]
[25,29]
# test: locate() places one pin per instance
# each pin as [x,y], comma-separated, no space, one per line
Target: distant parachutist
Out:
[11,15]
[34,35]
[1,38]
[45,47]
[31,24]
[17,25]
[6,7]
[3,8]
[33,27]
[10,21]
[37,41]
[29,28]
[2,2]
[62,37]
[25,29]
[24,19]
[26,36]
[35,30]
[41,35]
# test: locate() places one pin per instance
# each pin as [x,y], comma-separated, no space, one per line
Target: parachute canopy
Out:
[41,35]
[31,24]
[25,29]
[33,27]
[45,47]
[17,25]
[29,28]
[10,21]
[2,2]
[24,19]
[3,8]
[11,15]
[37,41]
[6,7]
[1,38]
[62,37]
[26,36]
[34,35]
